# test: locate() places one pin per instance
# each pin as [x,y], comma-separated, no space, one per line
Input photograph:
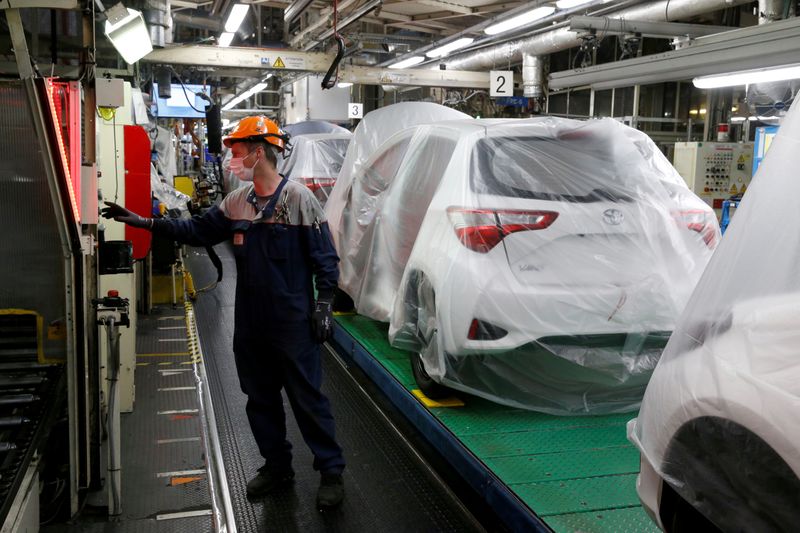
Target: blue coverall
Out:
[278,250]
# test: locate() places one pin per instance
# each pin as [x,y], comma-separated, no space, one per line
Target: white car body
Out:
[578,277]
[746,372]
[719,428]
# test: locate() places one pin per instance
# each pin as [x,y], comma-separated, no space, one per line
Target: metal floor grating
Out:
[154,443]
[387,487]
[577,473]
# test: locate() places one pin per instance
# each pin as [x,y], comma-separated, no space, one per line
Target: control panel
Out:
[715,171]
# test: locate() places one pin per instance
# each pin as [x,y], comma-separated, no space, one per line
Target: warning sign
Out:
[279,63]
[741,159]
[734,190]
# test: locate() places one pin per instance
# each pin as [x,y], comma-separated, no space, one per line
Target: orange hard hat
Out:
[257,128]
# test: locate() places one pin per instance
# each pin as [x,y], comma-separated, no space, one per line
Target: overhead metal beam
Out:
[264,59]
[648,29]
[19,43]
[767,45]
[414,77]
[260,58]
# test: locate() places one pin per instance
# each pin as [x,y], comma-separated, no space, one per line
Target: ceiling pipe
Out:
[197,21]
[155,14]
[770,10]
[532,76]
[562,38]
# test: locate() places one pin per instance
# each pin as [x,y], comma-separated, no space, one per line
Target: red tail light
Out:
[700,221]
[316,184]
[480,230]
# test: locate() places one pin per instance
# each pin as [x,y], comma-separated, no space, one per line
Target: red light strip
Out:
[62,150]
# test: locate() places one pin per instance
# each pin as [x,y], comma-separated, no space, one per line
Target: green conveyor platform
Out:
[576,473]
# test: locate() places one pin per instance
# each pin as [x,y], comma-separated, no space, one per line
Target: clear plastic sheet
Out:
[353,202]
[166,193]
[311,127]
[539,263]
[315,161]
[719,419]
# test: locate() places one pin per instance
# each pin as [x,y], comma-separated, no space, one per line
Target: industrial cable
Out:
[186,94]
[116,156]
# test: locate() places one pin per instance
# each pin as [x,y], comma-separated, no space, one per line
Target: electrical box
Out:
[110,92]
[715,171]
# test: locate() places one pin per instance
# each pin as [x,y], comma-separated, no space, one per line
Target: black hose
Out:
[329,81]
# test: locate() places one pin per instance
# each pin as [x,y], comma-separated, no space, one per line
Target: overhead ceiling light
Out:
[450,47]
[226,38]
[520,20]
[126,30]
[257,88]
[567,4]
[746,77]
[410,62]
[344,84]
[738,119]
[236,17]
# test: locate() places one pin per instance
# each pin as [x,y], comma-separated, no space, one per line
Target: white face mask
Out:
[242,172]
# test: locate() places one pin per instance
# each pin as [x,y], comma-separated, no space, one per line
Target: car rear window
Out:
[580,169]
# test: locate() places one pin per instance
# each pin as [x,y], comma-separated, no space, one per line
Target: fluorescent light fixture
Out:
[567,4]
[693,111]
[129,36]
[520,20]
[738,119]
[702,110]
[450,47]
[746,77]
[410,62]
[226,38]
[344,84]
[257,88]
[236,16]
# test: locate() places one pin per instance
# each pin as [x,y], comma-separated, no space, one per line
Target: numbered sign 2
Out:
[355,110]
[501,83]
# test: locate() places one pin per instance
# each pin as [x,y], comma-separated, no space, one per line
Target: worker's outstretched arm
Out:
[207,230]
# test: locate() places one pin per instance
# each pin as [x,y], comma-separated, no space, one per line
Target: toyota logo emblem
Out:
[613,217]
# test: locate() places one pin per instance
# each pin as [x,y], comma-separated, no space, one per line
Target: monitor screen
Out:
[178,105]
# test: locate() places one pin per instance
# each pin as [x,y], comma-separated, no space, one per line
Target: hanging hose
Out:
[332,76]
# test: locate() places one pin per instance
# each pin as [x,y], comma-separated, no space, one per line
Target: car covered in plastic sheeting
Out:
[315,161]
[719,427]
[551,259]
[352,204]
[309,127]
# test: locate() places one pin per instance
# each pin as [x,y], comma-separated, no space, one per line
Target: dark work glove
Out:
[120,214]
[322,321]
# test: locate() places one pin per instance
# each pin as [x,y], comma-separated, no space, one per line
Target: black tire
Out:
[430,343]
[430,388]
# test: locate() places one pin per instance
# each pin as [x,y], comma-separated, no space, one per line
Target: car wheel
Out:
[427,332]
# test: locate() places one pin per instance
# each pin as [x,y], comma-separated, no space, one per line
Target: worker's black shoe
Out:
[267,481]
[331,490]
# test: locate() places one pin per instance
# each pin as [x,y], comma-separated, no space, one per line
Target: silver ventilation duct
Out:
[562,38]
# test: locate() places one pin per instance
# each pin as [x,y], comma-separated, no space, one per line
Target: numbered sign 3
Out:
[501,83]
[355,110]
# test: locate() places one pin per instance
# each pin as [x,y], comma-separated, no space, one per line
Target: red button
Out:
[113,294]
